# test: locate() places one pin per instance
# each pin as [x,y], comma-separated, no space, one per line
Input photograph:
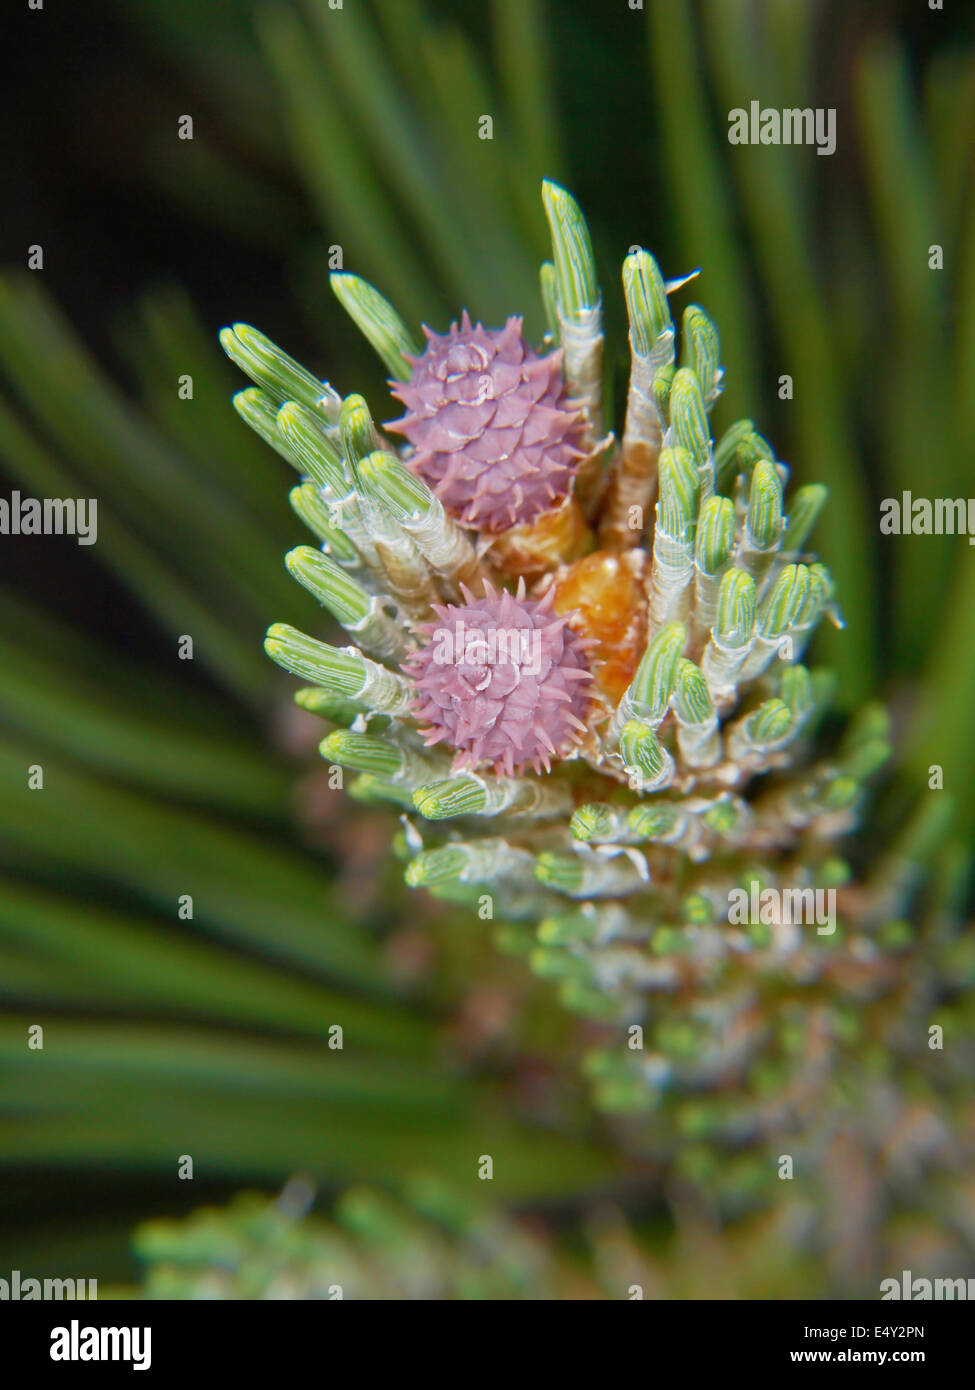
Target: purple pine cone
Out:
[502,680]
[495,437]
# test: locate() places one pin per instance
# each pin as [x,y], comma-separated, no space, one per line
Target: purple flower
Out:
[502,680]
[495,437]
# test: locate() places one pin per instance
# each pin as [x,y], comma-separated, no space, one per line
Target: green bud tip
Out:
[357,430]
[667,941]
[434,866]
[841,793]
[592,822]
[641,752]
[564,872]
[575,266]
[378,322]
[342,672]
[722,817]
[653,820]
[697,910]
[796,690]
[310,507]
[327,705]
[314,450]
[404,495]
[727,445]
[769,723]
[715,534]
[646,301]
[264,362]
[678,1038]
[580,999]
[325,578]
[259,410]
[765,505]
[374,791]
[653,684]
[867,758]
[662,382]
[678,492]
[362,753]
[786,600]
[818,594]
[692,701]
[256,407]
[806,506]
[567,929]
[832,873]
[550,964]
[455,796]
[871,722]
[701,347]
[739,450]
[735,620]
[688,415]
[598,1062]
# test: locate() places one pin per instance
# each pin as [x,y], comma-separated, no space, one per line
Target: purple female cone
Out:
[502,680]
[494,434]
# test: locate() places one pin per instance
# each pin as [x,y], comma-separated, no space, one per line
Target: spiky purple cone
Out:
[495,437]
[502,680]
